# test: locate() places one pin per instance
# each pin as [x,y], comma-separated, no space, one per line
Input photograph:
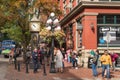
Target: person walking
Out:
[106,63]
[59,60]
[75,59]
[94,63]
[114,56]
[48,56]
[28,56]
[35,59]
[63,53]
[11,54]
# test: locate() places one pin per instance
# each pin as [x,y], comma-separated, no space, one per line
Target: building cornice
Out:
[85,4]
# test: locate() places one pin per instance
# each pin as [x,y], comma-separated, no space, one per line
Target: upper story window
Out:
[108,19]
[103,0]
[109,0]
[115,0]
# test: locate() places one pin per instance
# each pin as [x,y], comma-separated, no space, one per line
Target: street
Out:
[3,67]
[8,72]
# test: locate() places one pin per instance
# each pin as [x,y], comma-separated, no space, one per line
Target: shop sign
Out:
[112,29]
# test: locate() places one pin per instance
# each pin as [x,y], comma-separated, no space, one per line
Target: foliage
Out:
[46,36]
[14,17]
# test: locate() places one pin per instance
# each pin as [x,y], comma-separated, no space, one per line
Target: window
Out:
[115,0]
[109,0]
[100,19]
[118,19]
[103,0]
[108,19]
[108,36]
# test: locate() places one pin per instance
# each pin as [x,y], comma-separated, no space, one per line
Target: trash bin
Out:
[118,62]
[90,60]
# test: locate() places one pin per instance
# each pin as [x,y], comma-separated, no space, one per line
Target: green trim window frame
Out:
[108,30]
[103,0]
[108,19]
[109,0]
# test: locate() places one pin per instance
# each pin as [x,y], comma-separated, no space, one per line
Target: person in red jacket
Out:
[114,56]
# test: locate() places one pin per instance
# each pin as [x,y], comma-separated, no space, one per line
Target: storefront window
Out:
[108,36]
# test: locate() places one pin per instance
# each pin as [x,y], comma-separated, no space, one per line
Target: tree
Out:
[59,36]
[15,15]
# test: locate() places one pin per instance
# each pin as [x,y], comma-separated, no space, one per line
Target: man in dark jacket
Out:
[35,59]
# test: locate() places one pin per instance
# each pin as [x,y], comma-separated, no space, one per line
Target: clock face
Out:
[34,27]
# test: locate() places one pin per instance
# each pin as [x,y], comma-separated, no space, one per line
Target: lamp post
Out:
[52,25]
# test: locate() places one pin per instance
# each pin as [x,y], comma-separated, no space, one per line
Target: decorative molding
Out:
[89,14]
[79,8]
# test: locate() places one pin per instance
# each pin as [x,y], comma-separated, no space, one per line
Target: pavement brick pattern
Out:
[3,70]
[69,74]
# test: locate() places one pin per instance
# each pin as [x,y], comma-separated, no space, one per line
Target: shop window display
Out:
[108,35]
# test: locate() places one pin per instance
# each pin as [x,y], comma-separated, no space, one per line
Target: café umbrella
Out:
[6,51]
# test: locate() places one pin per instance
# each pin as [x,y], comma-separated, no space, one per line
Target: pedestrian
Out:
[48,56]
[69,53]
[94,63]
[39,56]
[35,59]
[28,57]
[63,53]
[59,60]
[106,63]
[11,55]
[114,56]
[75,59]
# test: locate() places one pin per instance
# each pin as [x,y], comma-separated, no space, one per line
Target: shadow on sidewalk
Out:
[68,74]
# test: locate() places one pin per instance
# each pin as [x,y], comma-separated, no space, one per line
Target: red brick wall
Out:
[89,36]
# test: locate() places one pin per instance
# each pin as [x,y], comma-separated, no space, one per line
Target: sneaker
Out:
[76,68]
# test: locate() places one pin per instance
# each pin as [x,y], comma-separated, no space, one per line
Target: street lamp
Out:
[52,24]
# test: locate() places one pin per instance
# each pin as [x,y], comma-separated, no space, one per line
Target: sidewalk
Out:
[69,74]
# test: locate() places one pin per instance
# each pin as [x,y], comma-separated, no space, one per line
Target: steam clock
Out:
[34,29]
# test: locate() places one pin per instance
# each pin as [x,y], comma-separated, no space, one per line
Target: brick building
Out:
[91,24]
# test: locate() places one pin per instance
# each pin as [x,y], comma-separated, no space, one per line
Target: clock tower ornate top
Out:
[34,24]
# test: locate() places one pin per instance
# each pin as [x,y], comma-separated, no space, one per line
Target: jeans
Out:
[107,67]
[69,59]
[35,66]
[113,65]
[94,69]
[74,62]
